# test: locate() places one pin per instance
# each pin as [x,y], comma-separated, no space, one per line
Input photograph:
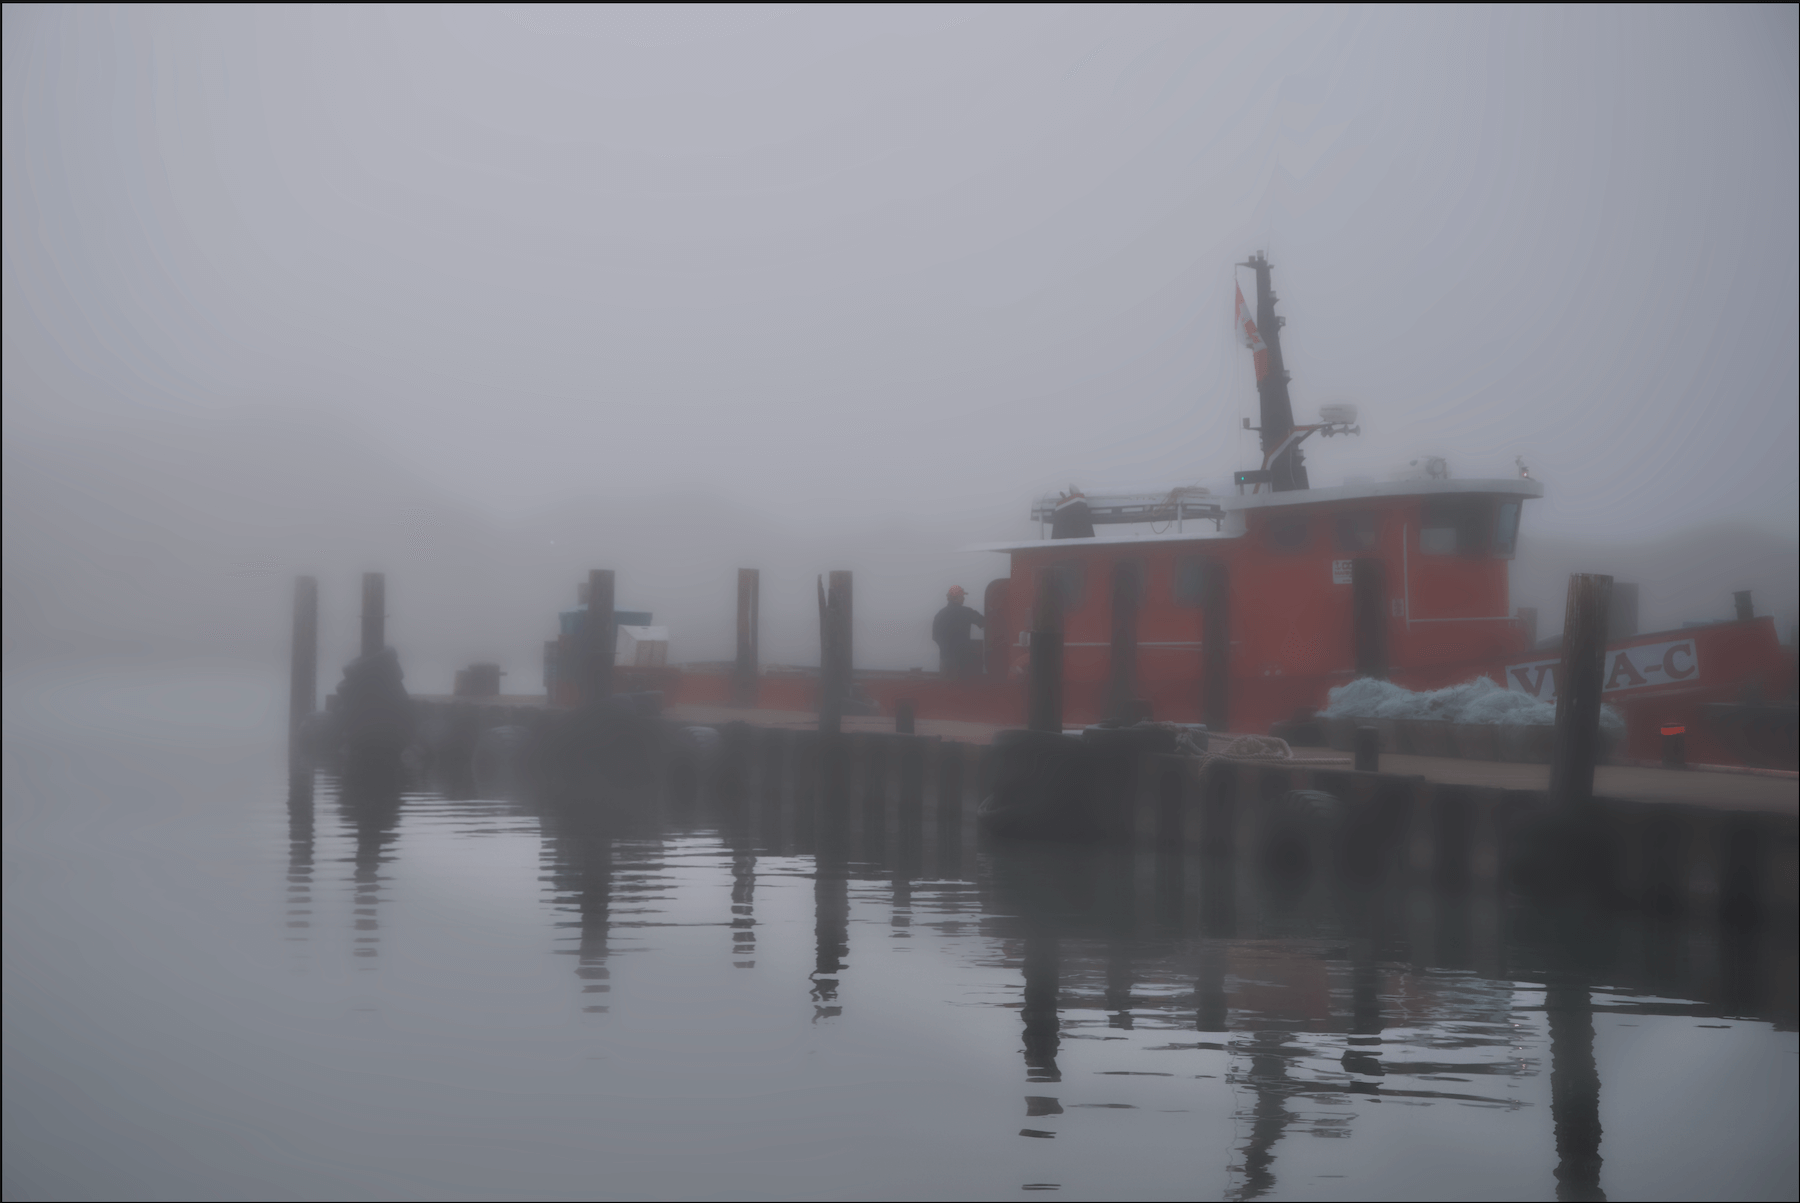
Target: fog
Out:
[487,297]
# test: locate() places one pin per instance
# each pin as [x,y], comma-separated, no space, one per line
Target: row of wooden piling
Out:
[1580,682]
[303,669]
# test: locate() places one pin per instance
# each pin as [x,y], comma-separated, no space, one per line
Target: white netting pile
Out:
[1482,700]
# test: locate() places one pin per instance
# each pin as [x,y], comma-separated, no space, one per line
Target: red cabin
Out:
[1301,590]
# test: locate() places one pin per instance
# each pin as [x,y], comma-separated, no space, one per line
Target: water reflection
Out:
[1574,1087]
[369,801]
[300,853]
[1267,1078]
[831,935]
[1042,996]
[579,856]
[743,905]
[1312,1000]
[831,881]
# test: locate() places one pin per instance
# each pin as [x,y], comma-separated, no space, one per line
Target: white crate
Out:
[642,647]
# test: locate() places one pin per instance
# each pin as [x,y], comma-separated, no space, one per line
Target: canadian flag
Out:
[1247,330]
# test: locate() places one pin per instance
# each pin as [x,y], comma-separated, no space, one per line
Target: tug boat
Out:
[1247,607]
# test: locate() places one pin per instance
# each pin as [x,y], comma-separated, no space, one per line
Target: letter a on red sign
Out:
[1623,667]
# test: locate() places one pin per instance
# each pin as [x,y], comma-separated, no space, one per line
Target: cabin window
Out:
[1135,569]
[1190,581]
[1286,534]
[1358,532]
[1506,527]
[1070,582]
[1455,526]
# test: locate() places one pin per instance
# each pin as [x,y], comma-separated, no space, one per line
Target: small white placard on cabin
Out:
[1340,572]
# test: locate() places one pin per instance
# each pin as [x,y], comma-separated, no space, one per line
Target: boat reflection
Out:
[1310,996]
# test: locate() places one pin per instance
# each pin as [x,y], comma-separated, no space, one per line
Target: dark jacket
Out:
[951,626]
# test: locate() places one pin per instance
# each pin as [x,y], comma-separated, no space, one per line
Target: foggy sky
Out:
[895,269]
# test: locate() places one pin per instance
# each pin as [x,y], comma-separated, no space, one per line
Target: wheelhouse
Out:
[1295,591]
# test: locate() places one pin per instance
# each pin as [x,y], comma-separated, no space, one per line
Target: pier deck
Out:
[1731,789]
[1763,792]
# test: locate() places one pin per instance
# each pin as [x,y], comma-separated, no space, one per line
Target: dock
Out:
[1711,845]
[1681,841]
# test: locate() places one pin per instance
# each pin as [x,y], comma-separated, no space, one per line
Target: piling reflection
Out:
[1574,1088]
[369,804]
[831,935]
[300,852]
[580,857]
[831,878]
[1267,1077]
[1042,996]
[743,907]
[1118,981]
[1209,989]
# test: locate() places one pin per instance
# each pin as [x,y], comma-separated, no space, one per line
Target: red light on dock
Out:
[1673,730]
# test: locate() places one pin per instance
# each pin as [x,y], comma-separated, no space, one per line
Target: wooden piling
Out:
[903,716]
[1368,749]
[1123,687]
[374,612]
[805,772]
[1579,680]
[1216,648]
[875,763]
[910,808]
[839,598]
[1745,611]
[303,673]
[1044,712]
[836,672]
[599,636]
[952,767]
[749,625]
[1369,615]
[773,785]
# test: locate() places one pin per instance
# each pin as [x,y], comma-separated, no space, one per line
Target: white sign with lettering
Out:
[1626,668]
[1340,572]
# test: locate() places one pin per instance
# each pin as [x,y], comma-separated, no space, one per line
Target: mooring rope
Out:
[1246,749]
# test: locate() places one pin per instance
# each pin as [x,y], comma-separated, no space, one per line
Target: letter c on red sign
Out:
[1669,669]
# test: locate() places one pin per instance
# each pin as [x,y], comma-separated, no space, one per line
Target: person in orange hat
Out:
[950,631]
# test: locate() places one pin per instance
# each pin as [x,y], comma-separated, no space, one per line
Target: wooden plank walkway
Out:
[1765,792]
[800,720]
[1761,792]
[1757,791]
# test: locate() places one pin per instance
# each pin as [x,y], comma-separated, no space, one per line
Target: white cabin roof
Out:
[1235,505]
[1516,486]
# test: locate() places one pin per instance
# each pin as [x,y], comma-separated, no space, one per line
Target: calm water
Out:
[214,990]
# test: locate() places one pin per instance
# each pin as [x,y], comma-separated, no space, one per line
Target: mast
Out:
[1277,411]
